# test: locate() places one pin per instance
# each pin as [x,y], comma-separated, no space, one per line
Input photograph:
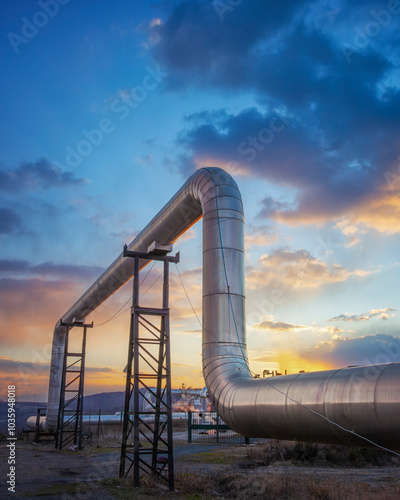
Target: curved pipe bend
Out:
[362,399]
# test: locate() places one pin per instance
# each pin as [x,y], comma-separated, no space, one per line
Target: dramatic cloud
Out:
[298,268]
[329,183]
[373,313]
[211,58]
[10,221]
[32,176]
[378,209]
[366,350]
[326,121]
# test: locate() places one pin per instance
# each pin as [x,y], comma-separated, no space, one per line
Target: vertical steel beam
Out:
[79,408]
[144,367]
[60,430]
[166,332]
[127,422]
[136,373]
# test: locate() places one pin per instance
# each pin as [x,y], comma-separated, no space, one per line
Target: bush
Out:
[319,454]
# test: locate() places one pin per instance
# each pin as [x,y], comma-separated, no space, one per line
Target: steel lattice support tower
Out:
[149,369]
[69,430]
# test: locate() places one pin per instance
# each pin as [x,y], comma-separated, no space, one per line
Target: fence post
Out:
[189,426]
[98,425]
[217,428]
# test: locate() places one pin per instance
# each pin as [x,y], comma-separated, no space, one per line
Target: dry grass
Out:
[285,486]
[287,470]
[272,486]
[319,454]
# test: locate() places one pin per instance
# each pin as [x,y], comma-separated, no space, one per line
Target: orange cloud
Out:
[383,313]
[380,210]
[30,308]
[261,236]
[293,269]
[278,326]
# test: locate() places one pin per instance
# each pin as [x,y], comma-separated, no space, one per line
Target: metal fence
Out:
[207,427]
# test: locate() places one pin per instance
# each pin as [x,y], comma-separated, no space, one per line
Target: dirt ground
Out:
[202,471]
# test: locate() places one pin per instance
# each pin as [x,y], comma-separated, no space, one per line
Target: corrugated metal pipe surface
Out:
[365,399]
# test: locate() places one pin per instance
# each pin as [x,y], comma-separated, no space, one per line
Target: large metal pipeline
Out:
[304,407]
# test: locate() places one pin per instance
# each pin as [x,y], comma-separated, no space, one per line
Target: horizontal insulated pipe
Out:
[303,407]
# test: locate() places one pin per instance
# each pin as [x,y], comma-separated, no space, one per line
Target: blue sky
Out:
[108,107]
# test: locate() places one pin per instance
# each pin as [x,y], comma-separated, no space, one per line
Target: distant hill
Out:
[108,402]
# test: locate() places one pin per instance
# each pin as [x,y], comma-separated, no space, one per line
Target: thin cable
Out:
[142,295]
[187,296]
[226,274]
[238,358]
[116,314]
[154,282]
[331,421]
[148,272]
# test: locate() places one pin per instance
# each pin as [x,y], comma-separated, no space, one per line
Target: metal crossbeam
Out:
[148,371]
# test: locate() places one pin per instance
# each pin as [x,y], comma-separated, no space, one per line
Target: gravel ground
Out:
[40,465]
